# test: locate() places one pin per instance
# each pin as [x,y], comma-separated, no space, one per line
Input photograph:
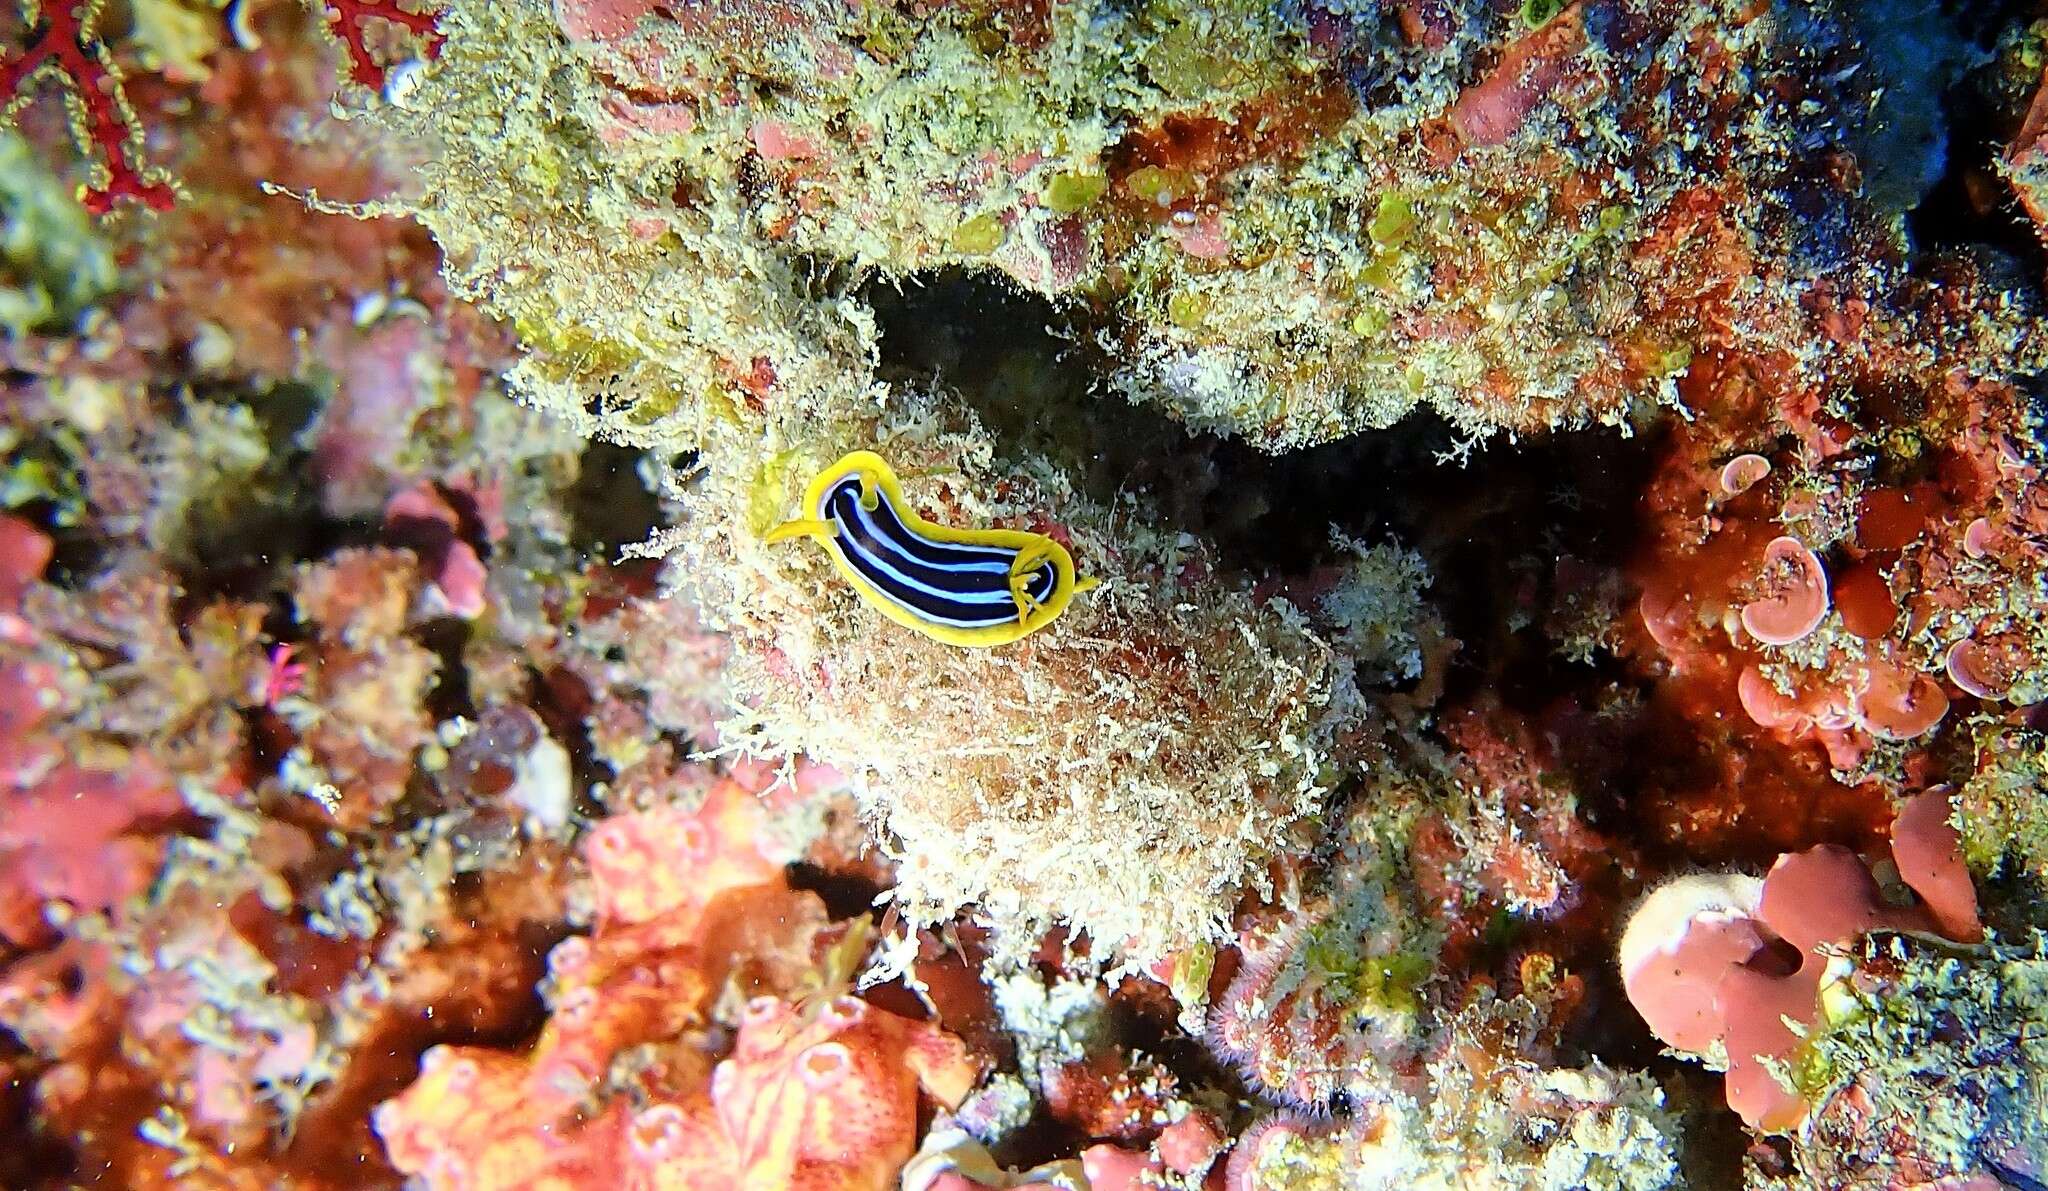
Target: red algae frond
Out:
[1678,943]
[1983,671]
[1742,473]
[1897,705]
[651,864]
[1795,594]
[1694,954]
[1929,855]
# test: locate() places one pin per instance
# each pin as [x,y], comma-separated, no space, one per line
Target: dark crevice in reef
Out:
[1017,362]
[1515,533]
[1968,202]
[610,505]
[1971,205]
[32,1153]
[1492,529]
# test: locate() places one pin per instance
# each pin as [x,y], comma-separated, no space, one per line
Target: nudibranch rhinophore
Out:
[971,587]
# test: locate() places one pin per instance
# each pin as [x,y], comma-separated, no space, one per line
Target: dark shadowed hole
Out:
[1493,529]
[1776,959]
[32,1157]
[610,505]
[845,895]
[1970,203]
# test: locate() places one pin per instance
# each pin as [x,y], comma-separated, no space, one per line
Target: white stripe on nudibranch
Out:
[880,561]
[986,558]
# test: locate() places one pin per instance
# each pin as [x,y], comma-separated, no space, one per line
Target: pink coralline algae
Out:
[1699,963]
[602,20]
[383,387]
[672,863]
[1261,1144]
[820,1090]
[817,1097]
[817,1100]
[1744,472]
[1796,594]
[73,829]
[79,836]
[1890,703]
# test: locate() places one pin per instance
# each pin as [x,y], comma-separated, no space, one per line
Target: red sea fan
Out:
[350,21]
[63,40]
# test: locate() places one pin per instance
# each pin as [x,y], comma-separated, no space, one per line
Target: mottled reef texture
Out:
[1562,706]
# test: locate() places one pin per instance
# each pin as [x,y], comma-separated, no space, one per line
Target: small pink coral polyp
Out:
[1796,598]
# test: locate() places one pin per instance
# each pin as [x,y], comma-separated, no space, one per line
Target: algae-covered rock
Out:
[1281,224]
[53,262]
[1930,1068]
[1126,769]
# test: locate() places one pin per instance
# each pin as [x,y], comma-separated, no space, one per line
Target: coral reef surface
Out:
[1550,693]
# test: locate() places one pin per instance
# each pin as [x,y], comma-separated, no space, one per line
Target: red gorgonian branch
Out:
[349,20]
[62,40]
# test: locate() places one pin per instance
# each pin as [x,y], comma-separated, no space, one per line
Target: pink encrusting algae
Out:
[1795,594]
[75,831]
[1693,957]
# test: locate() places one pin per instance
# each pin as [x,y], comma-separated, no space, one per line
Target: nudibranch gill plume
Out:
[974,587]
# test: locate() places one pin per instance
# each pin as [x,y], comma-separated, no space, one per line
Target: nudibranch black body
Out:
[973,587]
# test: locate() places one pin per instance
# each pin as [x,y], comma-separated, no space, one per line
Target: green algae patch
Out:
[1160,186]
[1187,309]
[1072,192]
[1186,65]
[980,235]
[1393,220]
[1388,983]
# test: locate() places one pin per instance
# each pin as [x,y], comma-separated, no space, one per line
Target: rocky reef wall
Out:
[1548,696]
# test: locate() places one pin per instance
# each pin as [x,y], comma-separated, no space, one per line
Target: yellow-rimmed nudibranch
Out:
[971,587]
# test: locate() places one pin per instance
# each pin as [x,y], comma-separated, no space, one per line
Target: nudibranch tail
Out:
[974,587]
